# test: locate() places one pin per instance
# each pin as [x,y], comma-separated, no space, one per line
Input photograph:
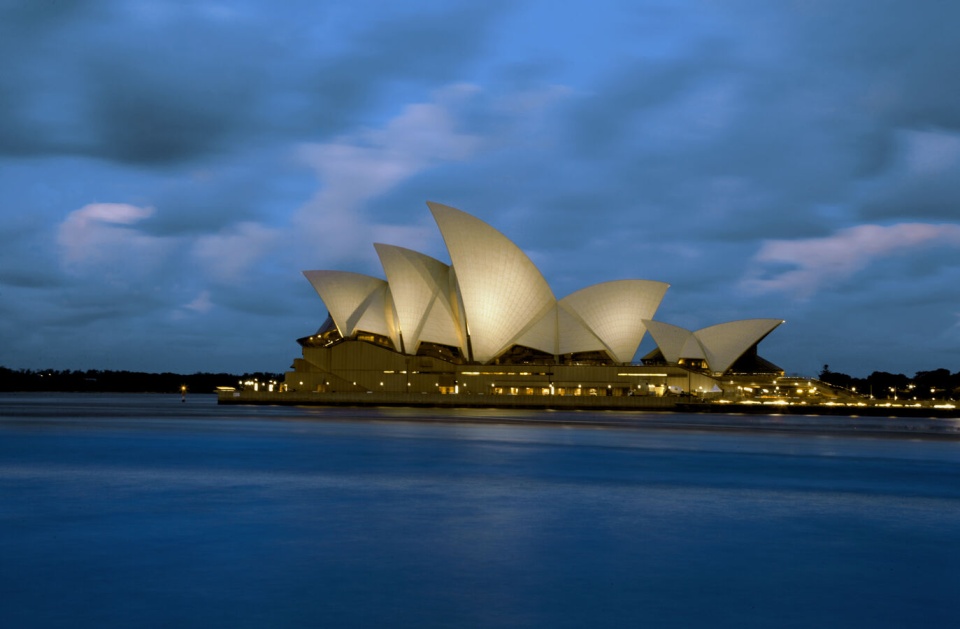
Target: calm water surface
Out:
[140,511]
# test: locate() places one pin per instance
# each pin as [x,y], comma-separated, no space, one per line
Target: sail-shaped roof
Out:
[720,345]
[574,335]
[356,302]
[724,343]
[541,334]
[493,297]
[693,348]
[614,312]
[421,289]
[502,290]
[670,339]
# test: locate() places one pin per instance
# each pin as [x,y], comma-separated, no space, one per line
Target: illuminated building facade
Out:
[488,323]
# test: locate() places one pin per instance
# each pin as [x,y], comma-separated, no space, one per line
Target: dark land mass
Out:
[924,385]
[97,381]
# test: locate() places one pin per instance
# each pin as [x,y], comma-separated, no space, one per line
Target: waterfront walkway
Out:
[673,403]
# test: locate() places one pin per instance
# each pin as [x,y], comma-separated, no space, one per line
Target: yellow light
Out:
[655,375]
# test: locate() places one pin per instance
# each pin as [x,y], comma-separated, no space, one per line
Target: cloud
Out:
[228,255]
[100,239]
[105,81]
[201,305]
[157,85]
[814,263]
[360,167]
[922,179]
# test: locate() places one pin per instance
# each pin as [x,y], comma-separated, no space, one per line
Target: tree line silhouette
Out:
[99,381]
[925,385]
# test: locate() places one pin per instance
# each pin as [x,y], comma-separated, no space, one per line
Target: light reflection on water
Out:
[123,511]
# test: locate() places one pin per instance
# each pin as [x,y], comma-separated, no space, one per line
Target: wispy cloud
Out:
[357,168]
[814,263]
[202,304]
[101,239]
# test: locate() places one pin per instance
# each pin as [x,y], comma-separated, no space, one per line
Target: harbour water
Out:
[142,511]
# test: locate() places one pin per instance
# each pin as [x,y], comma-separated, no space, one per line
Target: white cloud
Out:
[100,239]
[357,168]
[202,304]
[103,242]
[818,262]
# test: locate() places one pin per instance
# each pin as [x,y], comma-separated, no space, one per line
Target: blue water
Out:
[140,511]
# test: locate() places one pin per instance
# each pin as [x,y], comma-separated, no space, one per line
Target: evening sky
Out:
[167,169]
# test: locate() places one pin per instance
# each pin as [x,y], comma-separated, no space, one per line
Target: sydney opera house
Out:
[489,324]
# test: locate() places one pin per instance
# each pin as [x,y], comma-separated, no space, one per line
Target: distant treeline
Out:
[94,380]
[924,385]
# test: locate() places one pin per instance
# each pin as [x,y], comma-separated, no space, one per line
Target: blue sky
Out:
[167,169]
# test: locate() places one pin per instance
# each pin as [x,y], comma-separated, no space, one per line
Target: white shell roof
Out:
[720,345]
[421,290]
[494,292]
[724,343]
[671,339]
[356,302]
[574,334]
[541,334]
[614,312]
[692,348]
[502,290]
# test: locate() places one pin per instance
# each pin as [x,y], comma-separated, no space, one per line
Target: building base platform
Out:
[461,400]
